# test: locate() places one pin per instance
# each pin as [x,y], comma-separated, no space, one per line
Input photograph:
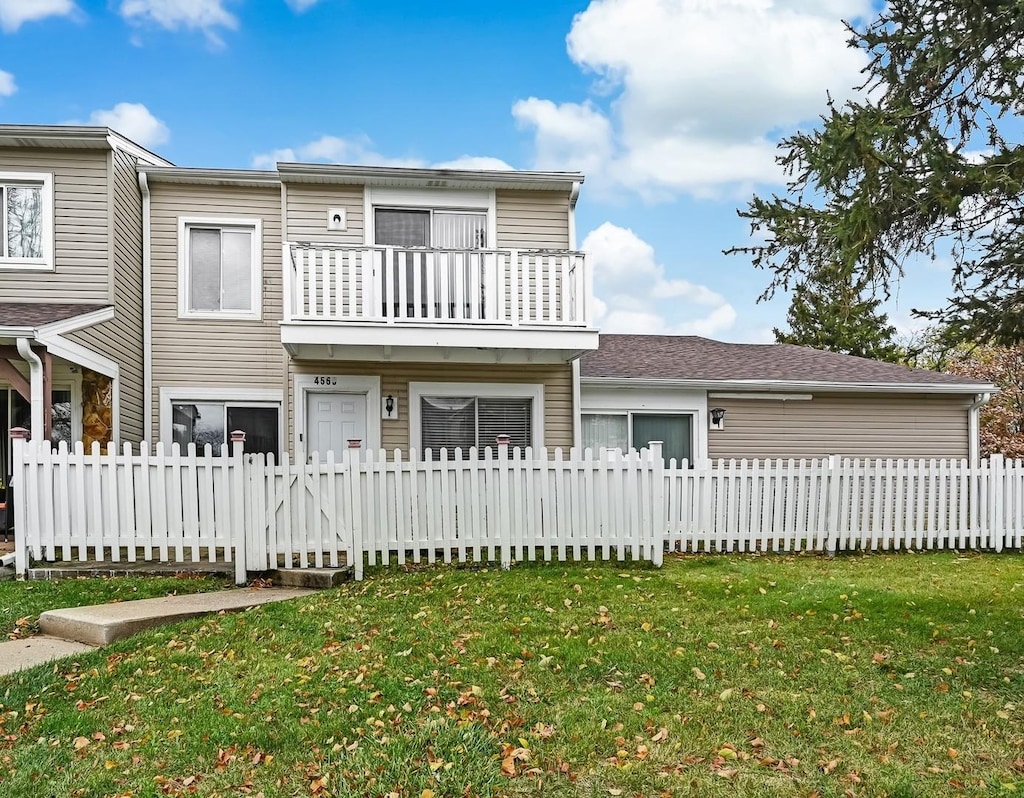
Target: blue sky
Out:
[670,107]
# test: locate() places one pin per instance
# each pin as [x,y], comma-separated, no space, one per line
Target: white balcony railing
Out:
[392,285]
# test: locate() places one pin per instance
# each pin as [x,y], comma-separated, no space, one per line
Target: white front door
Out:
[332,420]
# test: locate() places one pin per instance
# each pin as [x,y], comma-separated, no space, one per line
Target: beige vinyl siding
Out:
[81,228]
[207,353]
[395,379]
[121,339]
[865,425]
[307,213]
[532,219]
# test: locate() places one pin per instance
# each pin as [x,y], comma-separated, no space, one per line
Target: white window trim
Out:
[502,390]
[47,263]
[482,200]
[695,417]
[304,384]
[257,397]
[184,276]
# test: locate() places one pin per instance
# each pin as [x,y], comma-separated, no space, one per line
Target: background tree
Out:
[1002,419]
[834,310]
[925,165]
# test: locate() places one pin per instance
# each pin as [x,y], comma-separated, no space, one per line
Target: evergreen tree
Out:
[927,163]
[835,311]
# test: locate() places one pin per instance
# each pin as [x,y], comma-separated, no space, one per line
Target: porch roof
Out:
[26,318]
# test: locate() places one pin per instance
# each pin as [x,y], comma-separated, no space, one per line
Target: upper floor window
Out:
[219,268]
[26,220]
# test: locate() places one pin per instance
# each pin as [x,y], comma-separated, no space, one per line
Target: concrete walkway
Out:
[78,629]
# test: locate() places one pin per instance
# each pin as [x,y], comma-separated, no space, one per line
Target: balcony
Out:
[367,302]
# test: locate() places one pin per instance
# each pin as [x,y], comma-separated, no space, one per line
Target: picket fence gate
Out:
[495,505]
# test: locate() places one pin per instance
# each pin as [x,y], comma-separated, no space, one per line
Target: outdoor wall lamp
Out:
[718,417]
[389,406]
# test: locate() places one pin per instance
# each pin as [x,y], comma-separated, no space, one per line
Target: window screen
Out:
[401,228]
[220,269]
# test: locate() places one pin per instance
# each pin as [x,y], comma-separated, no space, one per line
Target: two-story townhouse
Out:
[400,308]
[71,284]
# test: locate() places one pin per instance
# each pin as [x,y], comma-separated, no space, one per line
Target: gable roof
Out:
[691,359]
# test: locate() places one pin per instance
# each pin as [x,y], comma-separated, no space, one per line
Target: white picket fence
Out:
[186,507]
[835,504]
[164,504]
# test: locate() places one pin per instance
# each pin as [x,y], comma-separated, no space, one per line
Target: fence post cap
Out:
[504,440]
[19,433]
[237,436]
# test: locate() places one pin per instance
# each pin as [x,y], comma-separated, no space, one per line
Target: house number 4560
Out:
[325,380]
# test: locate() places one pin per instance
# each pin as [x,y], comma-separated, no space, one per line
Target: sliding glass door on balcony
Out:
[433,275]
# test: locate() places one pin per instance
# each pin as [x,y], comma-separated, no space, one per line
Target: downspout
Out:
[974,427]
[35,371]
[574,195]
[147,314]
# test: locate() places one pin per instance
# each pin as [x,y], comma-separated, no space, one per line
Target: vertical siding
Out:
[121,339]
[862,426]
[532,219]
[307,213]
[211,353]
[81,227]
[395,379]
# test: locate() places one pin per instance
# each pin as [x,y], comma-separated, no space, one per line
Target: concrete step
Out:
[310,578]
[105,623]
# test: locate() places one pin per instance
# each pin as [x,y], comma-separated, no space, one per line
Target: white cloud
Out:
[634,295]
[14,13]
[7,84]
[691,94]
[135,121]
[299,6]
[201,15]
[360,150]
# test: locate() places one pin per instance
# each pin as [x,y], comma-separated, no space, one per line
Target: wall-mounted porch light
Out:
[389,408]
[717,418]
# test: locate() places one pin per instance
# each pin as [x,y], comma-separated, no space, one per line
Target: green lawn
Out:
[723,675]
[22,602]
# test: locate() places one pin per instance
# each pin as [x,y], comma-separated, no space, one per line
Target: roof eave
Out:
[769,386]
[215,177]
[451,178]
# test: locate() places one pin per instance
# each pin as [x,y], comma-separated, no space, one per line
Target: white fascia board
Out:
[214,177]
[795,386]
[81,355]
[419,336]
[119,142]
[65,326]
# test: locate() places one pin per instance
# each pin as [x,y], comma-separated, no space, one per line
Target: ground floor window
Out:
[636,430]
[212,422]
[466,421]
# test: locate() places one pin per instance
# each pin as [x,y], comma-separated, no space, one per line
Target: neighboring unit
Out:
[707,399]
[70,284]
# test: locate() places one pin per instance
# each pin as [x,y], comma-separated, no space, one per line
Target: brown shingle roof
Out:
[688,357]
[38,314]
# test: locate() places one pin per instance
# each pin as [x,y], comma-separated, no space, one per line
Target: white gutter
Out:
[794,385]
[974,427]
[35,369]
[147,313]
